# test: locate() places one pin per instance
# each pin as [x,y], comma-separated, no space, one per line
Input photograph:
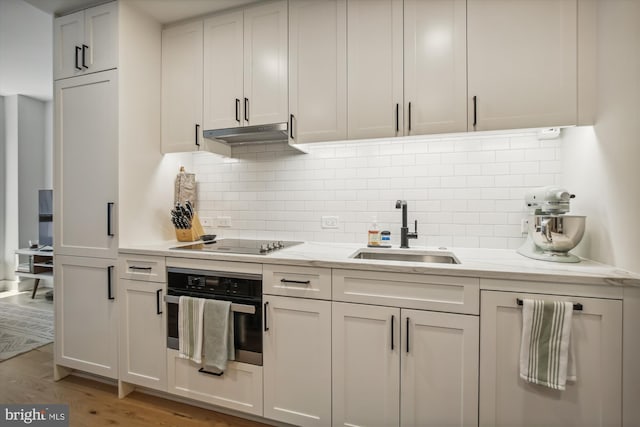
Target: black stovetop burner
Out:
[239,246]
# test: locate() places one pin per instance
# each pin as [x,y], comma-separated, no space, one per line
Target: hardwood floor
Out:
[28,378]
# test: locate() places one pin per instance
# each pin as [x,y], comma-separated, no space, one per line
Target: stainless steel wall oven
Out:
[244,291]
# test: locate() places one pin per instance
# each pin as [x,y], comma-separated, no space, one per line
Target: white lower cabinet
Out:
[239,388]
[297,361]
[143,333]
[86,315]
[594,399]
[399,367]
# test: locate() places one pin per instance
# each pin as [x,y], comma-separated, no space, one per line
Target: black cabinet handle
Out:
[291,117]
[158,299]
[133,267]
[84,49]
[77,51]
[576,305]
[109,277]
[201,370]
[475,110]
[237,110]
[246,110]
[301,282]
[409,116]
[392,332]
[407,335]
[397,118]
[197,131]
[266,325]
[109,214]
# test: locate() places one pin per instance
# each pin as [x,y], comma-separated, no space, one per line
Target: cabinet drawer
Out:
[306,282]
[419,291]
[143,267]
[239,388]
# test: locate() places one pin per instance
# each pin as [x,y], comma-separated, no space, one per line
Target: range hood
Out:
[258,134]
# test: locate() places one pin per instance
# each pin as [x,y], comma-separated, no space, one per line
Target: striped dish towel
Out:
[190,319]
[545,348]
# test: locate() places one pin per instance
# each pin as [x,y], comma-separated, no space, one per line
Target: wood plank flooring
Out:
[28,378]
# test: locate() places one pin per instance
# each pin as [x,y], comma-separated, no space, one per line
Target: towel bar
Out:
[240,308]
[576,306]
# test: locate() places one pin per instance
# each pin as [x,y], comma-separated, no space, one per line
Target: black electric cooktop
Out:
[239,246]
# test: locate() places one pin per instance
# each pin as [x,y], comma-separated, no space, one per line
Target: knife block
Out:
[190,234]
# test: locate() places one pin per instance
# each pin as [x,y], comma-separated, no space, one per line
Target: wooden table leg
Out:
[35,288]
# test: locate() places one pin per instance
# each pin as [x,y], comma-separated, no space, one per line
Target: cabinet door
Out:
[101,37]
[435,66]
[318,70]
[439,369]
[86,314]
[374,52]
[366,365]
[297,361]
[142,333]
[223,71]
[522,63]
[182,87]
[86,165]
[594,399]
[68,37]
[265,64]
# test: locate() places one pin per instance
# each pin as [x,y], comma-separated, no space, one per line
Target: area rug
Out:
[23,328]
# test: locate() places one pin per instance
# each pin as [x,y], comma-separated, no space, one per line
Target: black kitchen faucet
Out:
[405,235]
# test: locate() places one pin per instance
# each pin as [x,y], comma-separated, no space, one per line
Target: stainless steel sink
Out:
[407,255]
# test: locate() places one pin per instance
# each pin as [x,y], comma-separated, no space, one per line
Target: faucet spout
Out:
[404,230]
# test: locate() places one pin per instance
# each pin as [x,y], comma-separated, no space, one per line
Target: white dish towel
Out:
[545,352]
[190,320]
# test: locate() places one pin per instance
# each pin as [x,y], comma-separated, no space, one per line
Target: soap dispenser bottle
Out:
[374,234]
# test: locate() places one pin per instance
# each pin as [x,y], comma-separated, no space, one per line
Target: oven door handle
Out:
[238,308]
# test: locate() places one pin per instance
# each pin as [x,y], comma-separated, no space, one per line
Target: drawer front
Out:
[418,291]
[143,267]
[239,388]
[305,282]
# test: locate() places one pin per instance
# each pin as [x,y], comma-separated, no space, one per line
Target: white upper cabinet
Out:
[182,87]
[86,41]
[435,66]
[375,71]
[317,70]
[224,71]
[522,63]
[265,64]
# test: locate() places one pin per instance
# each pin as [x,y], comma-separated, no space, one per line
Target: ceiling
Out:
[164,11]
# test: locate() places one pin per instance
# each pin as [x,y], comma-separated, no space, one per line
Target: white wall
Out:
[602,165]
[11,200]
[48,145]
[26,50]
[2,188]
[465,191]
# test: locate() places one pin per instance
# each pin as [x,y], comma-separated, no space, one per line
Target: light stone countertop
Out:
[474,262]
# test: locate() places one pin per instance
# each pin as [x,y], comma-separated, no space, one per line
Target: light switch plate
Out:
[224,221]
[330,222]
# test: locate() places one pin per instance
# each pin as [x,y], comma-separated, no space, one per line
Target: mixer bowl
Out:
[556,233]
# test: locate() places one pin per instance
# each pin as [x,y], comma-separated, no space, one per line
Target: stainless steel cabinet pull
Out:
[109,277]
[392,332]
[475,110]
[158,305]
[201,370]
[576,305]
[238,308]
[109,213]
[266,307]
[246,110]
[197,131]
[84,49]
[407,335]
[237,110]
[301,282]
[77,51]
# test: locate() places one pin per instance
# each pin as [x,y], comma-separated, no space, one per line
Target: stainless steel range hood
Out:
[258,134]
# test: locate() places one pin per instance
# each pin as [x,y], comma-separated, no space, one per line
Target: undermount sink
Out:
[407,255]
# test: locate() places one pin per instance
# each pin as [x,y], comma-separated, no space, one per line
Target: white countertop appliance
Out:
[551,234]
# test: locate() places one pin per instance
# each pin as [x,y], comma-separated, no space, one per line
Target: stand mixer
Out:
[550,233]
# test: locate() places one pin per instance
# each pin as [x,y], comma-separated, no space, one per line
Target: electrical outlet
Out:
[524,225]
[329,222]
[206,222]
[224,221]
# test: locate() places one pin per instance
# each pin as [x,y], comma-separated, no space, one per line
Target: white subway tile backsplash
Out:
[465,191]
